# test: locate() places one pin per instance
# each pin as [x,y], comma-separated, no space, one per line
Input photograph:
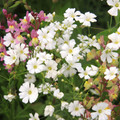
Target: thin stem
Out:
[3,77]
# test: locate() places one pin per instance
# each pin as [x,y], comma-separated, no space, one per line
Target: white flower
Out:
[8,40]
[64,105]
[115,7]
[46,38]
[69,24]
[30,78]
[49,109]
[9,97]
[50,17]
[12,58]
[34,66]
[58,94]
[67,70]
[43,56]
[70,13]
[115,38]
[51,68]
[46,88]
[21,51]
[102,111]
[85,73]
[28,92]
[35,117]
[68,49]
[93,71]
[108,55]
[111,73]
[87,18]
[76,109]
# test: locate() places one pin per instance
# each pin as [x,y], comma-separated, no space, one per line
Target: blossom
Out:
[111,73]
[34,117]
[115,38]
[76,109]
[9,97]
[46,88]
[34,66]
[64,104]
[70,13]
[9,40]
[87,18]
[21,51]
[49,109]
[68,49]
[51,68]
[115,7]
[28,92]
[30,78]
[85,73]
[58,94]
[102,111]
[12,58]
[108,55]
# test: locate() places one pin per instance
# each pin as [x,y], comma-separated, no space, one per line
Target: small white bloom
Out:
[34,66]
[108,55]
[93,71]
[46,88]
[115,38]
[115,7]
[64,105]
[58,94]
[71,13]
[49,109]
[87,18]
[9,97]
[8,40]
[30,78]
[11,58]
[34,117]
[51,68]
[28,92]
[76,109]
[85,73]
[111,73]
[50,17]
[102,111]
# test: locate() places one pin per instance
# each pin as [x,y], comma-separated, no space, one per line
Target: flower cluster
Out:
[79,77]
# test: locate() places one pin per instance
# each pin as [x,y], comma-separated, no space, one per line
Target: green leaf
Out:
[15,5]
[105,33]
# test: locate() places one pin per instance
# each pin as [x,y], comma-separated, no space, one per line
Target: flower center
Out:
[116,42]
[76,108]
[21,51]
[11,27]
[35,66]
[12,41]
[14,58]
[29,92]
[29,77]
[117,5]
[108,51]
[100,111]
[49,68]
[85,73]
[70,51]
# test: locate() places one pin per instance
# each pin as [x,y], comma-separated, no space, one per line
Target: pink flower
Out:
[12,26]
[41,16]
